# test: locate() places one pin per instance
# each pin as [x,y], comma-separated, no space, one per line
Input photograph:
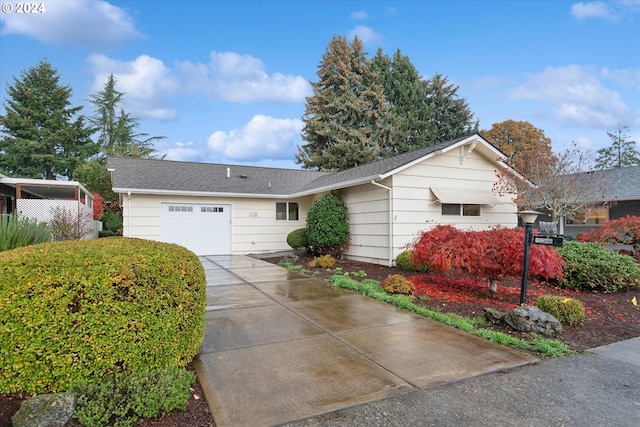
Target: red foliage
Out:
[490,254]
[464,290]
[624,231]
[99,206]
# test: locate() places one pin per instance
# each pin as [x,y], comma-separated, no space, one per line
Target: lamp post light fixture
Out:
[529,218]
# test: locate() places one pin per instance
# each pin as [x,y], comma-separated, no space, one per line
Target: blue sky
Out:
[226,81]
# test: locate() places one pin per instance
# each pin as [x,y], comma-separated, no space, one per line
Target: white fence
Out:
[43,211]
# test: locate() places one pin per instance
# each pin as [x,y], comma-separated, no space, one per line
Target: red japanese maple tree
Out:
[490,254]
[624,231]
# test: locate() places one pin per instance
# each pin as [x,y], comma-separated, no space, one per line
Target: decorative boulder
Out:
[494,316]
[45,410]
[532,319]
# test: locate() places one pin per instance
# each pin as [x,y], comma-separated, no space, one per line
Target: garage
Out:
[205,229]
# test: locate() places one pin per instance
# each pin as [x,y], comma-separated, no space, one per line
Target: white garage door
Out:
[204,229]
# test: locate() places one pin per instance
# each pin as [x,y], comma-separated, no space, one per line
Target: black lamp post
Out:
[528,217]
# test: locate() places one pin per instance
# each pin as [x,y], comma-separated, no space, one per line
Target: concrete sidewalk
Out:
[598,388]
[281,347]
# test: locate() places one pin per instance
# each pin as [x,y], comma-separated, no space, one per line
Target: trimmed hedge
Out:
[297,238]
[591,266]
[328,226]
[77,311]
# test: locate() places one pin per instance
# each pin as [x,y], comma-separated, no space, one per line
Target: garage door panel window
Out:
[287,211]
[460,209]
[211,209]
[173,208]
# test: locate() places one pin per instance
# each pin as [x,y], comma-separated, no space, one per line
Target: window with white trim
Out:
[460,209]
[287,211]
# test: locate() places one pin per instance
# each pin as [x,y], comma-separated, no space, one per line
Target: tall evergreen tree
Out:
[43,137]
[451,116]
[117,131]
[622,152]
[405,92]
[347,121]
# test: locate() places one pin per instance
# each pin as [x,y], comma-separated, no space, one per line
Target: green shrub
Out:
[591,266]
[17,231]
[398,284]
[80,310]
[324,261]
[328,225]
[125,401]
[567,310]
[405,262]
[112,221]
[297,238]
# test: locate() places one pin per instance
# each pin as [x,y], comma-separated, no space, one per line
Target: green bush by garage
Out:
[78,311]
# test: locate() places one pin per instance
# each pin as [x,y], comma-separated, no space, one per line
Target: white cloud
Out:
[594,9]
[610,11]
[359,15]
[93,23]
[366,34]
[579,96]
[232,77]
[263,137]
[180,151]
[146,82]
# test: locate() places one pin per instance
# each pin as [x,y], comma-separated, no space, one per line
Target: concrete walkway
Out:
[281,347]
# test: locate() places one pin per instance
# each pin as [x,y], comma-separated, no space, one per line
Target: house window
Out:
[593,216]
[460,209]
[180,208]
[287,211]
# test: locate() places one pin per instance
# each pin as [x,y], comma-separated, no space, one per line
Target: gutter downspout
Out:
[390,260]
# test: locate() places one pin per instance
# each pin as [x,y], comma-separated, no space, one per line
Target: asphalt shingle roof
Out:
[624,183]
[165,175]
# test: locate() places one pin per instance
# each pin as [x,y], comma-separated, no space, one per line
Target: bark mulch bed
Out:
[609,318]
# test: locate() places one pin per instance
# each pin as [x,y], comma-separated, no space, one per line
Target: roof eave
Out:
[125,191]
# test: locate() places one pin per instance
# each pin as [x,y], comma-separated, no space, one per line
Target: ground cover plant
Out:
[78,311]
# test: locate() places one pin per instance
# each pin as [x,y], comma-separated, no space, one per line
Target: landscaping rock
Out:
[532,319]
[494,316]
[45,410]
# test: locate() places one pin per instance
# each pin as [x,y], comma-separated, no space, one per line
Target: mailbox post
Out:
[528,217]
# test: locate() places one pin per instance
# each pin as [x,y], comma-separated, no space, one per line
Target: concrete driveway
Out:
[280,346]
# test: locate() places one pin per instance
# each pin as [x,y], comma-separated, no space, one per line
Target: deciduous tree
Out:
[43,137]
[519,141]
[560,183]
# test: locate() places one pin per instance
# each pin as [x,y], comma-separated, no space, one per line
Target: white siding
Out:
[414,207]
[368,207]
[254,228]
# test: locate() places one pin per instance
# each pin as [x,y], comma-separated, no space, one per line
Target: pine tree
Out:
[622,152]
[451,116]
[405,92]
[117,130]
[42,136]
[347,121]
